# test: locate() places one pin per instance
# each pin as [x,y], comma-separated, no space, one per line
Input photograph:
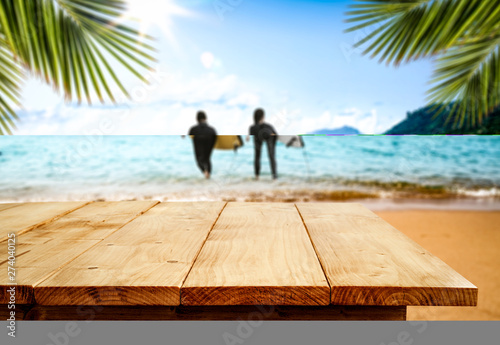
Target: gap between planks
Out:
[315,250]
[405,273]
[121,279]
[74,258]
[293,286]
[42,223]
[4,207]
[199,251]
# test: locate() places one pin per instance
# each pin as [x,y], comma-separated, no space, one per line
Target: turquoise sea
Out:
[61,168]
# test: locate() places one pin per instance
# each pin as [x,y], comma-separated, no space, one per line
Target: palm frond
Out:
[469,76]
[462,34]
[62,42]
[11,78]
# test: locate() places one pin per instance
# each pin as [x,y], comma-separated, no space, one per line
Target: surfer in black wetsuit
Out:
[204,138]
[263,132]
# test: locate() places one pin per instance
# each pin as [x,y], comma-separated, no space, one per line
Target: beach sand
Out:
[468,241]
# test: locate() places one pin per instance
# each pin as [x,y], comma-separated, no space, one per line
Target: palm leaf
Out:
[62,43]
[11,77]
[462,34]
[469,73]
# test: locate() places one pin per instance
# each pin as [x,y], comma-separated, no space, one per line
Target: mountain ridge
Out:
[426,121]
[345,130]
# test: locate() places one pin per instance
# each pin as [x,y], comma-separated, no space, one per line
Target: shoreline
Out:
[374,203]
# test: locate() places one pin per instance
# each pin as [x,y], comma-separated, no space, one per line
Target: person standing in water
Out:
[204,138]
[263,132]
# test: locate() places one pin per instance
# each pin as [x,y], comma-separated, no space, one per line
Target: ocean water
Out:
[61,168]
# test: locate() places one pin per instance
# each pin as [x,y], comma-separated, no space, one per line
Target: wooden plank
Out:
[144,263]
[369,262]
[7,206]
[257,253]
[21,311]
[21,218]
[42,251]
[217,313]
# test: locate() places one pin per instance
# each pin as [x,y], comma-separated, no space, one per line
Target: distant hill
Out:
[421,122]
[346,130]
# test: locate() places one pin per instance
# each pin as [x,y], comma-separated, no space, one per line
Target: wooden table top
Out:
[145,253]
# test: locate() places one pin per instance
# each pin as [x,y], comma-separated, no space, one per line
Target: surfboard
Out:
[228,142]
[291,140]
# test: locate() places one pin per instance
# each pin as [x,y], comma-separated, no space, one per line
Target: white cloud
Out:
[168,106]
[37,95]
[364,122]
[207,60]
[208,87]
[311,123]
[352,117]
[247,99]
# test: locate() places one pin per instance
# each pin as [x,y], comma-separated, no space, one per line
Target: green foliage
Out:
[428,121]
[462,35]
[67,44]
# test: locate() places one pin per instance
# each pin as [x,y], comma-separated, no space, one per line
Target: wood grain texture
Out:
[40,252]
[20,218]
[368,262]
[144,263]
[7,206]
[216,313]
[257,253]
[21,311]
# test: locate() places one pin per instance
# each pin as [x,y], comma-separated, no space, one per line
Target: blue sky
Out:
[229,56]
